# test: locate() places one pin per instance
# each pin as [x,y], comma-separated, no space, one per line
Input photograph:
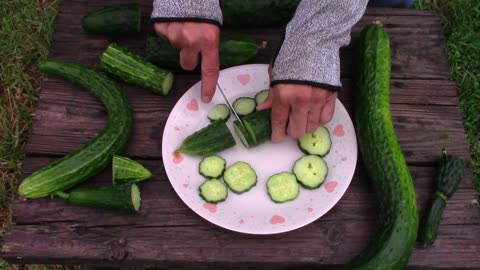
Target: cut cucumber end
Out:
[167,83]
[126,170]
[310,171]
[136,198]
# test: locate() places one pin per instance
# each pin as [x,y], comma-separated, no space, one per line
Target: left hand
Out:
[298,109]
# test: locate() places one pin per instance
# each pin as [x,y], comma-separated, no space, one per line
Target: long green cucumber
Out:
[131,68]
[258,13]
[209,140]
[450,174]
[234,51]
[382,156]
[93,157]
[114,20]
[124,197]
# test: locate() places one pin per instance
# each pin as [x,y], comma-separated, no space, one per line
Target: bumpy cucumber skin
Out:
[93,157]
[391,179]
[126,170]
[258,13]
[451,170]
[209,140]
[118,197]
[114,20]
[131,68]
[233,51]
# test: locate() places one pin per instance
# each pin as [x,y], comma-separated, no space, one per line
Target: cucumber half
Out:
[283,187]
[219,112]
[244,106]
[316,143]
[212,166]
[240,177]
[311,171]
[213,191]
[261,96]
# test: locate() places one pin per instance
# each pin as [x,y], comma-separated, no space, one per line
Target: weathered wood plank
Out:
[157,193]
[68,116]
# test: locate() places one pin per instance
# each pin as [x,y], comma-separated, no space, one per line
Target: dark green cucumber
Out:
[93,157]
[257,13]
[233,51]
[119,197]
[209,140]
[382,156]
[450,174]
[131,68]
[126,170]
[114,20]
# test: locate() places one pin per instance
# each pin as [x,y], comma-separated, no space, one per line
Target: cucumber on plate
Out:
[240,177]
[261,96]
[208,141]
[311,171]
[212,166]
[258,128]
[244,106]
[213,191]
[283,187]
[316,143]
[219,112]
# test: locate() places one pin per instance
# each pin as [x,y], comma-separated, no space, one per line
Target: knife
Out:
[230,106]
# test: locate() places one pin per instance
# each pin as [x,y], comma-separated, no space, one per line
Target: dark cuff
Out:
[329,87]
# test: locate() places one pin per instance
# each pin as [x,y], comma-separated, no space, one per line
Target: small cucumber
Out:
[114,20]
[131,68]
[120,197]
[126,170]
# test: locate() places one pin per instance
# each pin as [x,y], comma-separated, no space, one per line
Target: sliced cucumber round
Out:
[311,171]
[261,96]
[240,177]
[213,191]
[212,166]
[219,112]
[244,106]
[316,143]
[283,187]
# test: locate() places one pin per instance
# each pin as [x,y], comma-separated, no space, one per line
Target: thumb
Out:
[267,103]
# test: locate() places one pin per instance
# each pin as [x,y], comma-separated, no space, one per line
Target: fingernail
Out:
[206,99]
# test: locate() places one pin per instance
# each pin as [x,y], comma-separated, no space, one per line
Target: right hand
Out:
[192,39]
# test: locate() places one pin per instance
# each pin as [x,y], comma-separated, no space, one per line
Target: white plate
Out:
[253,212]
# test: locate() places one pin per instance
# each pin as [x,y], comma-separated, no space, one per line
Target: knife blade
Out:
[230,105]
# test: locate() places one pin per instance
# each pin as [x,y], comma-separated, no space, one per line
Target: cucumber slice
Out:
[126,170]
[283,187]
[261,96]
[244,106]
[316,143]
[213,191]
[242,134]
[240,177]
[219,112]
[212,166]
[311,171]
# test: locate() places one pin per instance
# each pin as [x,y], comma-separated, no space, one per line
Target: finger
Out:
[267,103]
[210,71]
[327,111]
[298,118]
[161,29]
[175,35]
[280,112]
[188,58]
[313,119]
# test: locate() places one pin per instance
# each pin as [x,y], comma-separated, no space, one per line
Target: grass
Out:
[461,21]
[26,27]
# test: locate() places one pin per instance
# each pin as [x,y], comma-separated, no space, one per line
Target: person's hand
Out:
[192,39]
[298,109]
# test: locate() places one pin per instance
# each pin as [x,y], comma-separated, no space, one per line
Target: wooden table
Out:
[167,233]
